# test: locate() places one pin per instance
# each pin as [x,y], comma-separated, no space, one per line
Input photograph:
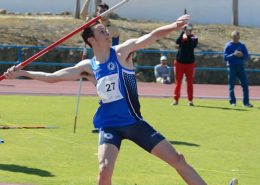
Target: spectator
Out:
[162,71]
[185,63]
[85,11]
[236,54]
[113,30]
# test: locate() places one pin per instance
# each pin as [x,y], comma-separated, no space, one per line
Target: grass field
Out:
[220,141]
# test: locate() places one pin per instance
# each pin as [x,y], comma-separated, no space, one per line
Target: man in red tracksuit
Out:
[184,63]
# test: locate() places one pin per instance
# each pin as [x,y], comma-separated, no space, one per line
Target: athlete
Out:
[118,116]
[112,30]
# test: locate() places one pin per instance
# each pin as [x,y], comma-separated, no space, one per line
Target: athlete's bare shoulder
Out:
[124,57]
[86,70]
[85,65]
[84,62]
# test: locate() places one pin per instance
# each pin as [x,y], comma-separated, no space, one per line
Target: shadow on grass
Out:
[24,169]
[183,143]
[221,108]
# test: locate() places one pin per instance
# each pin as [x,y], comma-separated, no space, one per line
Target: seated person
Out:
[162,71]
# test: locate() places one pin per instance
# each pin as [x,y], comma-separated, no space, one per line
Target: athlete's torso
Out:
[117,90]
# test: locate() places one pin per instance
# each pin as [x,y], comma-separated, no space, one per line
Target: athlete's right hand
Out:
[10,73]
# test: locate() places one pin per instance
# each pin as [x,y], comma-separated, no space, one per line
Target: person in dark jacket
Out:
[184,64]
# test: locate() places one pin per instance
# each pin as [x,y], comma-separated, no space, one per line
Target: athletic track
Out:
[33,87]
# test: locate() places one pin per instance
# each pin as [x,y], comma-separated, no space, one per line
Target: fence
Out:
[50,63]
[165,52]
[54,63]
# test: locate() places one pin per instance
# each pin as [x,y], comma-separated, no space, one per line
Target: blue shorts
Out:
[140,132]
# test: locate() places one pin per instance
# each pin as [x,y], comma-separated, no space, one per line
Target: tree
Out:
[235,13]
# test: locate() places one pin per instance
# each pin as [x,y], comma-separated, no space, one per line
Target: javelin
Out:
[84,54]
[26,127]
[63,39]
[77,106]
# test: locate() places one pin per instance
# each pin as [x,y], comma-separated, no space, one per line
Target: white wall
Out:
[249,12]
[55,6]
[202,11]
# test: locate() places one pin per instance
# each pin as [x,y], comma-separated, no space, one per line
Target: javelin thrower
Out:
[113,35]
[119,116]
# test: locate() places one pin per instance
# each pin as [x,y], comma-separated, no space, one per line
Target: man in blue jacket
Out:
[236,54]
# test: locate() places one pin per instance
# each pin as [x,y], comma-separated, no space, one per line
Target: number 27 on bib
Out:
[108,88]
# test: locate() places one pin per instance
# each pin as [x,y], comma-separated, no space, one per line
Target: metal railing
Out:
[54,63]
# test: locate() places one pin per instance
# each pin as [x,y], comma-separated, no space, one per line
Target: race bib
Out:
[108,88]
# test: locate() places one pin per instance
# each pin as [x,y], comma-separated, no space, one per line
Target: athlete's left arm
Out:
[143,41]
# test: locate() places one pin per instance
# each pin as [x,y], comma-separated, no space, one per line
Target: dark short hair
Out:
[103,6]
[88,33]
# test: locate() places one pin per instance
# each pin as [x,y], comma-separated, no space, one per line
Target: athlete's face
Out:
[101,34]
